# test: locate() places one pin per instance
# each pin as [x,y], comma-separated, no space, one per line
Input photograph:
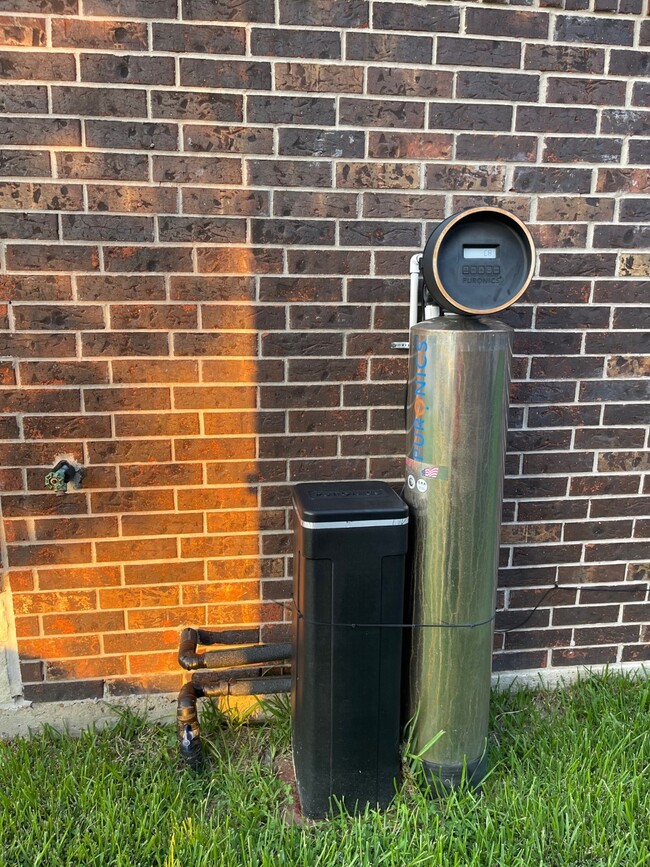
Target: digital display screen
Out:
[480,252]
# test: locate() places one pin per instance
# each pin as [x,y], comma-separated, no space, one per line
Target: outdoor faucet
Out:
[63,473]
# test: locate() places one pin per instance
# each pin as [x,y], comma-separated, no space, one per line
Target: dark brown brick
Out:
[390,206]
[108,35]
[549,120]
[199,39]
[228,202]
[377,112]
[641,94]
[608,438]
[235,74]
[212,289]
[318,78]
[20,163]
[153,200]
[322,317]
[478,52]
[153,316]
[586,91]
[291,109]
[201,229]
[132,8]
[64,372]
[321,143]
[229,139]
[564,58]
[330,13]
[127,69]
[513,87]
[38,196]
[315,205]
[37,66]
[297,396]
[230,10]
[409,82]
[41,131]
[582,150]
[410,145]
[309,232]
[328,262]
[223,107]
[302,43]
[246,317]
[578,264]
[373,233]
[240,260]
[409,16]
[378,175]
[454,177]
[22,345]
[23,32]
[154,371]
[606,31]
[102,166]
[331,420]
[212,344]
[193,169]
[21,99]
[289,173]
[32,257]
[594,530]
[152,259]
[474,116]
[124,344]
[389,48]
[110,399]
[305,344]
[519,661]
[73,427]
[75,690]
[95,227]
[109,134]
[301,289]
[28,226]
[506,22]
[510,148]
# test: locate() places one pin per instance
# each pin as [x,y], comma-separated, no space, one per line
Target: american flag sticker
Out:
[431,472]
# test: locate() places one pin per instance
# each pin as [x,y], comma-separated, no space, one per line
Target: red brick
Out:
[75,624]
[69,669]
[164,573]
[87,576]
[118,552]
[43,603]
[138,597]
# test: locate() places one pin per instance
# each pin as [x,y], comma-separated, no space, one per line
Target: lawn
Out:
[569,785]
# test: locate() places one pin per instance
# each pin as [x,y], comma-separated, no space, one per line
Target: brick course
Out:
[206,218]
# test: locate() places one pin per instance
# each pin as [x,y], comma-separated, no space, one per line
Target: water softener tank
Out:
[475,263]
[458,387]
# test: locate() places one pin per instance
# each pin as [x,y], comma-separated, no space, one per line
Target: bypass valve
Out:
[62,474]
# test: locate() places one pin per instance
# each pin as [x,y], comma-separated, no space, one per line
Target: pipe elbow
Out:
[188,658]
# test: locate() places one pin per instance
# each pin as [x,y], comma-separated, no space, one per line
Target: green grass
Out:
[569,785]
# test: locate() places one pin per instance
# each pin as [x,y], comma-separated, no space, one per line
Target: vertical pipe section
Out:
[459,374]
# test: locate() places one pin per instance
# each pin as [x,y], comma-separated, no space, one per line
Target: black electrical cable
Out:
[530,613]
[556,586]
[301,616]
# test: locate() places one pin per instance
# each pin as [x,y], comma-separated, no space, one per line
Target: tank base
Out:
[443,779]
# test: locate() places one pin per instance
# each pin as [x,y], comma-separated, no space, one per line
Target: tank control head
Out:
[478,262]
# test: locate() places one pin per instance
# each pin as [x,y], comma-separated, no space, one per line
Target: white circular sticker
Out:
[422,485]
[410,481]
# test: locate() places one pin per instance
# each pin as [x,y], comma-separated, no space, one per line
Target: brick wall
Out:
[208,209]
